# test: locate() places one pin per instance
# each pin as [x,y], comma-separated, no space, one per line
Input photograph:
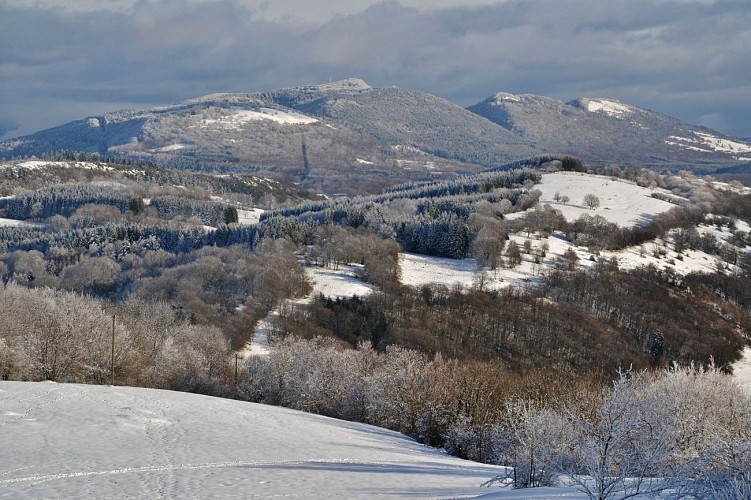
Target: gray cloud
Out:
[688,59]
[7,126]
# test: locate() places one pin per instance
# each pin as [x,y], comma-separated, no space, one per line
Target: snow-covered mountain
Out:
[324,136]
[348,136]
[607,130]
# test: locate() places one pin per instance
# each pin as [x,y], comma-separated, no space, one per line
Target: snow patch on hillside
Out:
[343,281]
[742,370]
[413,164]
[16,223]
[404,148]
[239,117]
[621,201]
[502,97]
[84,165]
[75,441]
[346,84]
[340,282]
[172,147]
[609,107]
[709,143]
[418,270]
[249,217]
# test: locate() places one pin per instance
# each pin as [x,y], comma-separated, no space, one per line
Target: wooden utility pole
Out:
[113,350]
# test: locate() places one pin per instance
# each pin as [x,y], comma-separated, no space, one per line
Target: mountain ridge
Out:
[603,130]
[349,136]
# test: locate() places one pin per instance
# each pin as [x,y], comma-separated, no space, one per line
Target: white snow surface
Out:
[742,370]
[418,270]
[341,282]
[239,117]
[706,142]
[16,223]
[621,201]
[172,147]
[609,107]
[500,97]
[249,216]
[37,164]
[348,84]
[77,441]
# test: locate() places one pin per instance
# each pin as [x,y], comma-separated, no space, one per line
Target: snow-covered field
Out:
[609,106]
[16,223]
[706,142]
[419,270]
[249,217]
[77,441]
[621,201]
[172,147]
[340,282]
[240,117]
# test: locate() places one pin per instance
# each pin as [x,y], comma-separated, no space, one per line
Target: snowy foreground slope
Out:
[66,440]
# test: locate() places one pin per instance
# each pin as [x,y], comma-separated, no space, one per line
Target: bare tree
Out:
[591,201]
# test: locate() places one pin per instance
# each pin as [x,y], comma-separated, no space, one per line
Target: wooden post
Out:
[113,350]
[235,368]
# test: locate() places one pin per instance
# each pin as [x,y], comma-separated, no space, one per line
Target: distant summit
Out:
[347,84]
[604,130]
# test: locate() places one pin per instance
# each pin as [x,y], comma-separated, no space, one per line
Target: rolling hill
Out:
[73,441]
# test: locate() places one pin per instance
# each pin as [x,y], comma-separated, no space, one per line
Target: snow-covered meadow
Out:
[249,216]
[621,201]
[74,441]
[239,117]
[15,223]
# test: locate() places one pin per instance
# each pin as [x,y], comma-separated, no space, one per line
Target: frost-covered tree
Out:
[537,434]
[617,451]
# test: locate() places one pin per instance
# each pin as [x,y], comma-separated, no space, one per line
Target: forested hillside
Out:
[171,265]
[123,233]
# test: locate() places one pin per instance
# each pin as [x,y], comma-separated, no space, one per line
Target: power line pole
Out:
[113,350]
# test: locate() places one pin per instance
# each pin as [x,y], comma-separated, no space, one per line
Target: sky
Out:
[62,60]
